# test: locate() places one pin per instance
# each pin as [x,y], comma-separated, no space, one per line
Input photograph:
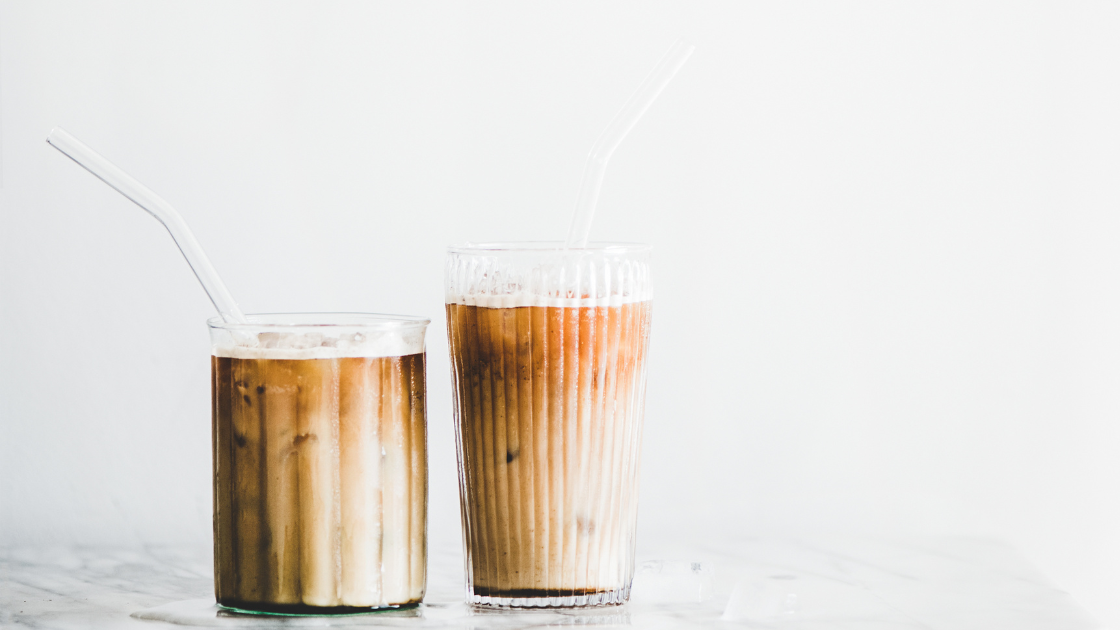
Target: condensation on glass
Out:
[548,350]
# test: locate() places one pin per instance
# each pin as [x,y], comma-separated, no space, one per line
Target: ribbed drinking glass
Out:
[548,349]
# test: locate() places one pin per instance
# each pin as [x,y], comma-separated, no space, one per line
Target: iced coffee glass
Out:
[320,462]
[548,350]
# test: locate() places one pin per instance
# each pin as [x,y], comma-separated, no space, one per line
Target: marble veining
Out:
[841,583]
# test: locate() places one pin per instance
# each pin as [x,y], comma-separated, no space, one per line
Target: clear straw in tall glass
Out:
[548,349]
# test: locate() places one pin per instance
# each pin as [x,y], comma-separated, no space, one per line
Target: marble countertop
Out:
[930,583]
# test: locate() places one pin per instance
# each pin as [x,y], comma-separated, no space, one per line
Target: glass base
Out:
[549,599]
[303,610]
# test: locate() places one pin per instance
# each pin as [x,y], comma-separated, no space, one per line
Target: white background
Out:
[887,245]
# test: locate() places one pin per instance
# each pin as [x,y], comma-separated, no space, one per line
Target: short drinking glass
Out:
[320,462]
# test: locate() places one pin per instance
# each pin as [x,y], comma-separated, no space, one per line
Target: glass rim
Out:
[605,247]
[295,321]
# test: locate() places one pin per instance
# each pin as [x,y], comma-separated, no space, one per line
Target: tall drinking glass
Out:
[548,351]
[320,462]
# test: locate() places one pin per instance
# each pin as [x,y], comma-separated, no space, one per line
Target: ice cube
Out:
[271,340]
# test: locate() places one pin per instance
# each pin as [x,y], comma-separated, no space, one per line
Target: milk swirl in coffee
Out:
[320,489]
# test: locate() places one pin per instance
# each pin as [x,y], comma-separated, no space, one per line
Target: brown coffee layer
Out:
[320,487]
[537,593]
[549,408]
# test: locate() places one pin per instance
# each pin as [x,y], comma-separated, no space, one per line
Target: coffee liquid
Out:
[320,487]
[549,410]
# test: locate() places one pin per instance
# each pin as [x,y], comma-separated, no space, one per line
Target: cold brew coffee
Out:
[320,487]
[549,353]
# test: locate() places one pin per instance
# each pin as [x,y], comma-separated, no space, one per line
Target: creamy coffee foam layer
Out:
[518,300]
[297,346]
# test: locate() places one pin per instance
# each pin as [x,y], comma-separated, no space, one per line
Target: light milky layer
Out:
[517,300]
[298,346]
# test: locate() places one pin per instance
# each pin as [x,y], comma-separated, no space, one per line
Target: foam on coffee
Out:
[315,345]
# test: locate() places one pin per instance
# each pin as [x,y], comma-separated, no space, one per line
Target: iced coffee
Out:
[548,352]
[320,470]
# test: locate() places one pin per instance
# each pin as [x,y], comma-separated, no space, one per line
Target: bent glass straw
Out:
[612,136]
[155,205]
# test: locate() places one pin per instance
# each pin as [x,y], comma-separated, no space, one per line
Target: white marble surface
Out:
[934,584]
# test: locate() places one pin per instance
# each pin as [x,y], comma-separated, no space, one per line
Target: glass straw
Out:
[156,206]
[612,136]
